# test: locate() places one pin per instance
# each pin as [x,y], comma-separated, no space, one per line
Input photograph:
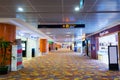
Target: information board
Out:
[113,57]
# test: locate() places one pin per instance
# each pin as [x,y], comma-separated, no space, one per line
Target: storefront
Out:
[104,42]
[98,43]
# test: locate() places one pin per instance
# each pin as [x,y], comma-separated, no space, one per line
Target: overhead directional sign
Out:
[63,26]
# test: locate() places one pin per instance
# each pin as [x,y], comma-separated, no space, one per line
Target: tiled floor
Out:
[63,65]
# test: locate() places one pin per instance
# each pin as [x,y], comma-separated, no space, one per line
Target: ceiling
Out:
[95,14]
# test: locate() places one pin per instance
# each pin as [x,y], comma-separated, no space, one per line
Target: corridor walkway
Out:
[63,65]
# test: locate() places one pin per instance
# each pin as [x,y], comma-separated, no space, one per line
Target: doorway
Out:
[24,48]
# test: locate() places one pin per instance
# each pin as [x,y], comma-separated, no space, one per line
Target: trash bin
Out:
[33,52]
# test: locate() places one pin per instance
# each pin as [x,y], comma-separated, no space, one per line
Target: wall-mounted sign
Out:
[63,26]
[103,33]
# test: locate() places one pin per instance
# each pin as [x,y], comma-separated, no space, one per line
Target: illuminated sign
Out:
[103,33]
[63,26]
[69,25]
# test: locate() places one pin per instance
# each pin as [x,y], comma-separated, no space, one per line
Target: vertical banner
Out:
[16,63]
[113,57]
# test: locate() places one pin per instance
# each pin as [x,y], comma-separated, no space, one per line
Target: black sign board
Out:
[63,26]
[113,57]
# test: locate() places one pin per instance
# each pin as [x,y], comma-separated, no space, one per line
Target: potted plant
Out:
[4,45]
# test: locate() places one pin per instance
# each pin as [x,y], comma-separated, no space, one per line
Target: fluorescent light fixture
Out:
[20,9]
[77,8]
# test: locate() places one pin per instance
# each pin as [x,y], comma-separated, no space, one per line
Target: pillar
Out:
[8,33]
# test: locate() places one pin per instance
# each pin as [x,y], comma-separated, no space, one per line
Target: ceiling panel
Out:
[107,5]
[29,16]
[49,9]
[44,7]
[68,6]
[45,2]
[89,4]
[3,10]
[13,3]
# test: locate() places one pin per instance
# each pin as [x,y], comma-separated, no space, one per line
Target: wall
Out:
[32,43]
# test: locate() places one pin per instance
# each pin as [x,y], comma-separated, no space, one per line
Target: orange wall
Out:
[43,45]
[8,32]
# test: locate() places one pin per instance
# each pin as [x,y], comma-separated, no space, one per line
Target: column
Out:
[8,33]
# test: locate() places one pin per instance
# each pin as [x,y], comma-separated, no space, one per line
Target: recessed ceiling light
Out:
[77,8]
[20,9]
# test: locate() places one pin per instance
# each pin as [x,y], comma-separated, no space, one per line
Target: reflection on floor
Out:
[63,65]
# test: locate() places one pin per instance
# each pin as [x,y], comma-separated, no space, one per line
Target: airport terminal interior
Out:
[60,40]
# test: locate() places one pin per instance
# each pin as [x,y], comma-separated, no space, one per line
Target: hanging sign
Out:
[63,26]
